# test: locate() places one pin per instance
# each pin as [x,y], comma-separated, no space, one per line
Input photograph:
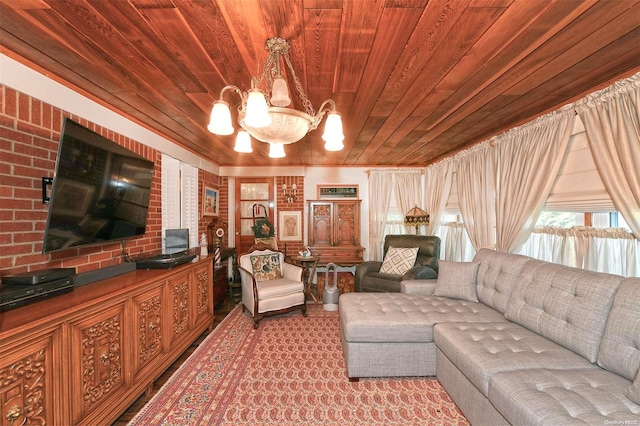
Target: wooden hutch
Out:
[334,231]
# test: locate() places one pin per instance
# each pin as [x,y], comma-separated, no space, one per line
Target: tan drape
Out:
[612,124]
[437,187]
[408,193]
[475,180]
[380,185]
[528,160]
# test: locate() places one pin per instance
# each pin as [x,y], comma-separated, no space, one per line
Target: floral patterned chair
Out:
[269,285]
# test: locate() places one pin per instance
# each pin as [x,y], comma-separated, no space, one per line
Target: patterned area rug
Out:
[288,372]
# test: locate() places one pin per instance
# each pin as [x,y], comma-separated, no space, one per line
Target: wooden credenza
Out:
[334,231]
[82,358]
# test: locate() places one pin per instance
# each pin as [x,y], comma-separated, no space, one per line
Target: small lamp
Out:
[416,217]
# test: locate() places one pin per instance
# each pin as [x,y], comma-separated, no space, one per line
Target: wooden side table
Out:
[309,265]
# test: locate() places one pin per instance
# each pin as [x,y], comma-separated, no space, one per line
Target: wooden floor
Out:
[221,311]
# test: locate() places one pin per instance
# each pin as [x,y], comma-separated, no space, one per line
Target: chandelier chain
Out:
[303,96]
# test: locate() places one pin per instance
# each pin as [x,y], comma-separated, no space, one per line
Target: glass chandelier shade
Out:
[243,142]
[276,150]
[267,118]
[257,110]
[333,135]
[287,126]
[220,123]
[280,92]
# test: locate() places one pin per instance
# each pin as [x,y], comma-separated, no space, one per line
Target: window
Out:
[597,241]
[179,198]
[570,219]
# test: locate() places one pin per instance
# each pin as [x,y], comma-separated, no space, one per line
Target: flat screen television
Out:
[100,191]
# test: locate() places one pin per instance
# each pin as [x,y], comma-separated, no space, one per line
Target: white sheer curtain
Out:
[613,250]
[528,159]
[554,244]
[612,123]
[380,185]
[408,193]
[456,246]
[475,181]
[437,187]
[610,250]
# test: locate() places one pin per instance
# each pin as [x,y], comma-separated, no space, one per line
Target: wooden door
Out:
[250,191]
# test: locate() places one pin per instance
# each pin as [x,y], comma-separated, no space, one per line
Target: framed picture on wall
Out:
[337,191]
[210,202]
[290,226]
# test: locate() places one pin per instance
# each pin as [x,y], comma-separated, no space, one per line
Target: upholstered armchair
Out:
[269,285]
[372,277]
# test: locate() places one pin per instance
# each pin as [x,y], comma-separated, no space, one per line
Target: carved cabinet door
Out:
[321,224]
[348,223]
[147,319]
[27,375]
[179,318]
[97,364]
[203,286]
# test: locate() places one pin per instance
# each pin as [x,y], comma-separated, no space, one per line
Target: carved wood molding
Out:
[180,307]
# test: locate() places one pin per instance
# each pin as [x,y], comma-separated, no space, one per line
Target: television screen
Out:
[100,191]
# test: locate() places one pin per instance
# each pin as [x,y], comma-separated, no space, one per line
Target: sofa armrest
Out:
[363,269]
[291,271]
[420,272]
[424,287]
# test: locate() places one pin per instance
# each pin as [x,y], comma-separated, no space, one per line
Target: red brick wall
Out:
[292,247]
[216,182]
[29,135]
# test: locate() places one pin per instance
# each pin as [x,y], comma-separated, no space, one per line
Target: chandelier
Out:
[271,121]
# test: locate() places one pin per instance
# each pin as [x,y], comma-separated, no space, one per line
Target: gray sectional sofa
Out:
[534,343]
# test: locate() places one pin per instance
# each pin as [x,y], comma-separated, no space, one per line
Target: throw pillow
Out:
[633,391]
[266,266]
[399,260]
[457,280]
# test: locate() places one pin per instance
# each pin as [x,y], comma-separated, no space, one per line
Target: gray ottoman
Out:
[391,334]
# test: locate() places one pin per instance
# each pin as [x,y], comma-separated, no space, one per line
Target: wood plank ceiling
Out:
[414,80]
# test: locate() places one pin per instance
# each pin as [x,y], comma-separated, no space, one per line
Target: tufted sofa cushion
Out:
[562,397]
[633,391]
[566,305]
[620,348]
[497,275]
[397,317]
[480,350]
